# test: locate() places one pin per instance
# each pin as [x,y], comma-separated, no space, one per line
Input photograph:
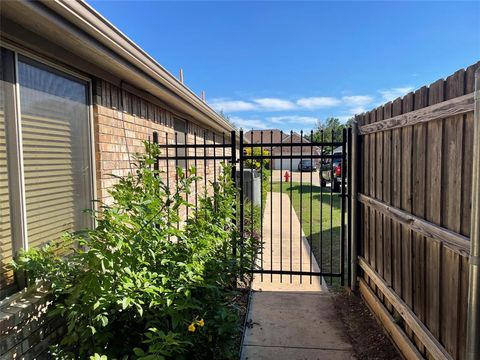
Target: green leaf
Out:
[139,352]
[125,302]
[104,320]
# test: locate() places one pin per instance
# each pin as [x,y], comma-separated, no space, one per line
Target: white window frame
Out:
[20,238]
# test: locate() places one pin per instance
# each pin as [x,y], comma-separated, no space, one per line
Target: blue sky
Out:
[289,64]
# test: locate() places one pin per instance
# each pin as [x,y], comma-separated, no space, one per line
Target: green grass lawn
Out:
[323,231]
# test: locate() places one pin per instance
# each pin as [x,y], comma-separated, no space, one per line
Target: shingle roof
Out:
[273,135]
[277,136]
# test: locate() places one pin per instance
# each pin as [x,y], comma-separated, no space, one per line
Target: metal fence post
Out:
[155,141]
[473,310]
[241,202]
[342,204]
[233,142]
[353,204]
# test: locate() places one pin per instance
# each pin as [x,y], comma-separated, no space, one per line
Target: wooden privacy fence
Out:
[414,199]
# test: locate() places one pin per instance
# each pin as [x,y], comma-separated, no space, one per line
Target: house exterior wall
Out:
[122,120]
[119,135]
[25,329]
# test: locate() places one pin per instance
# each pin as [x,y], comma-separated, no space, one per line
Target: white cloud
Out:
[248,124]
[318,102]
[274,104]
[357,100]
[357,110]
[232,105]
[310,120]
[344,118]
[393,93]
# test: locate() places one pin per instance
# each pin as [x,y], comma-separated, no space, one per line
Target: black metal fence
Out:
[303,226]
[292,195]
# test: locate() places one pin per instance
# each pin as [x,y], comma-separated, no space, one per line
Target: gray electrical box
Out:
[251,185]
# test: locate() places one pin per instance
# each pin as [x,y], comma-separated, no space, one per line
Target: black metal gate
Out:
[292,195]
[300,189]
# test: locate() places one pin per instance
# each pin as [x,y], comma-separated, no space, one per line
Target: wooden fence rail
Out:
[414,203]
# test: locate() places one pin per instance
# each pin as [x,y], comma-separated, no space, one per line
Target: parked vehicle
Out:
[307,165]
[332,172]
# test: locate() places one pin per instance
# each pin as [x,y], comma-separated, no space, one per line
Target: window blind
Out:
[56,147]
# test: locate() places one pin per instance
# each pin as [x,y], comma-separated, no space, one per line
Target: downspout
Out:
[473,310]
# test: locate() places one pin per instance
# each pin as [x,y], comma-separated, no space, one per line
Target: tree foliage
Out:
[329,130]
[257,164]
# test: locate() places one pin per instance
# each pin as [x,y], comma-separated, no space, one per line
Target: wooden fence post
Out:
[354,204]
[473,312]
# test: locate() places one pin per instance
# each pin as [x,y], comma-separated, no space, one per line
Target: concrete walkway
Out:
[285,247]
[291,320]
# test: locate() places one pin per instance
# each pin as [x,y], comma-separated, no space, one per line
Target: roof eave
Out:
[146,71]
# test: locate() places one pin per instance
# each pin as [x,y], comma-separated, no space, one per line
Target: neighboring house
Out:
[77,98]
[277,136]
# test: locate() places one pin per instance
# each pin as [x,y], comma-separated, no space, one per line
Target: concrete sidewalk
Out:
[285,247]
[291,320]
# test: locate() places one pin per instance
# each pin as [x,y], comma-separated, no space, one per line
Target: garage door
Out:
[285,164]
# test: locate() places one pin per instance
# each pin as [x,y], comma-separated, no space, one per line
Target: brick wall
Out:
[119,135]
[26,331]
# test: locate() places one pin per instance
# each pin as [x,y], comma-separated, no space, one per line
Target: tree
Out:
[329,130]
[332,130]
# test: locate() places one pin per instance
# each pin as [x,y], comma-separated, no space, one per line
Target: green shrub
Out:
[257,163]
[138,287]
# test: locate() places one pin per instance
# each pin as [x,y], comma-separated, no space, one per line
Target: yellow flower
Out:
[191,327]
[200,322]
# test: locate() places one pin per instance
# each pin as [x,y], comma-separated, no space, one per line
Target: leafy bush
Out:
[138,287]
[257,163]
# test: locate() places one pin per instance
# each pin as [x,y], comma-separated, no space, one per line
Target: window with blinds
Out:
[55,146]
[46,174]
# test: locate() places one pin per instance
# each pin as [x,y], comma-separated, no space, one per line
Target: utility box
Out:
[252,185]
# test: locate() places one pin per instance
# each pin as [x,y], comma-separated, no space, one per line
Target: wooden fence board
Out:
[373,167]
[403,343]
[406,203]
[420,330]
[366,187]
[433,210]
[467,167]
[453,107]
[396,197]
[387,196]
[449,239]
[415,205]
[418,204]
[449,300]
[379,240]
